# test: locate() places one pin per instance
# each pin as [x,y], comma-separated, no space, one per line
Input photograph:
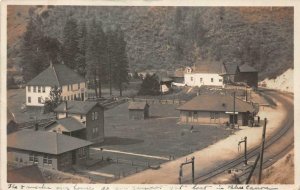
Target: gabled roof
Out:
[77,107]
[208,66]
[56,75]
[137,105]
[44,142]
[246,68]
[69,123]
[26,174]
[231,68]
[223,103]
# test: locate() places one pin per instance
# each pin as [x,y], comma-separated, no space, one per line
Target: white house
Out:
[204,74]
[73,85]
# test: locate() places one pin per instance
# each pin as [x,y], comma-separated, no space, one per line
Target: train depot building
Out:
[216,109]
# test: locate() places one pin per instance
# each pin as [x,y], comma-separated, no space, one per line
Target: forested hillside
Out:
[170,37]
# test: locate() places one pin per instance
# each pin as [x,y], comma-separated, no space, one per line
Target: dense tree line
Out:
[85,47]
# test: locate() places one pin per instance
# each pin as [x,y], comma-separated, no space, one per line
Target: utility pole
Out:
[252,169]
[245,149]
[233,108]
[193,169]
[262,151]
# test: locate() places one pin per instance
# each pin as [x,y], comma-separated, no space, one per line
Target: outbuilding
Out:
[216,109]
[138,110]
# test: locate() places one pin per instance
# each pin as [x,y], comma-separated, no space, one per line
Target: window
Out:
[29,88]
[68,87]
[78,86]
[39,89]
[220,80]
[39,99]
[33,158]
[72,87]
[47,160]
[16,159]
[65,98]
[195,112]
[81,152]
[68,98]
[201,79]
[29,99]
[34,89]
[43,89]
[96,115]
[212,80]
[81,117]
[214,115]
[93,115]
[191,78]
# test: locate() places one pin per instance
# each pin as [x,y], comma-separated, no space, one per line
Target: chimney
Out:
[66,108]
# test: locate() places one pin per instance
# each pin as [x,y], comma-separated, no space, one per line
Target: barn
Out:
[138,110]
[215,109]
[247,74]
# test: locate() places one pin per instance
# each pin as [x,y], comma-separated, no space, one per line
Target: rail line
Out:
[250,155]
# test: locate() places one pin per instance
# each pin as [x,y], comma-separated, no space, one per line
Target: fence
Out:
[158,101]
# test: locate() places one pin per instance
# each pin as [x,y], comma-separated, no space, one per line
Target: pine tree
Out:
[96,55]
[120,71]
[82,45]
[70,43]
[33,59]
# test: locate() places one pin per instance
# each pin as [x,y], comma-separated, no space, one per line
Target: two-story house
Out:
[72,85]
[90,114]
[206,73]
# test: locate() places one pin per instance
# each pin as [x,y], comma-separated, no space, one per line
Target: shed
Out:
[246,73]
[138,110]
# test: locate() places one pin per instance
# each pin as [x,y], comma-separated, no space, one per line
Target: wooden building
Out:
[138,110]
[215,109]
[89,114]
[247,74]
[46,149]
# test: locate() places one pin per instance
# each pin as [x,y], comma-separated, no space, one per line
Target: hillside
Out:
[170,37]
[283,82]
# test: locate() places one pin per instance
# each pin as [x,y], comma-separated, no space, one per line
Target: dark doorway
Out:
[233,118]
[73,157]
[82,96]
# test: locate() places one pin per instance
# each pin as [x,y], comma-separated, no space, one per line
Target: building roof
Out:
[77,107]
[216,102]
[69,123]
[26,174]
[246,68]
[208,66]
[231,68]
[44,142]
[137,105]
[56,75]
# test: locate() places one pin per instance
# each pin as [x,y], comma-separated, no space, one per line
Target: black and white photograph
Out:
[151,94]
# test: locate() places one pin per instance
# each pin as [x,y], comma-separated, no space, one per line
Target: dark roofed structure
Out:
[247,68]
[215,109]
[26,174]
[138,110]
[215,102]
[44,142]
[56,75]
[231,68]
[77,107]
[69,124]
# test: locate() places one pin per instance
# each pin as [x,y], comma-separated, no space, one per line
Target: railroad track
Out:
[251,155]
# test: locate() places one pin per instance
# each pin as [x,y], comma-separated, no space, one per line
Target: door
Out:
[73,157]
[190,117]
[82,96]
[233,117]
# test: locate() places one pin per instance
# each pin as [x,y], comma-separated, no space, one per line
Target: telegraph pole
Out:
[262,151]
[233,119]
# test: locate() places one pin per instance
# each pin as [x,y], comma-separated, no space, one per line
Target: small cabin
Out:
[138,110]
